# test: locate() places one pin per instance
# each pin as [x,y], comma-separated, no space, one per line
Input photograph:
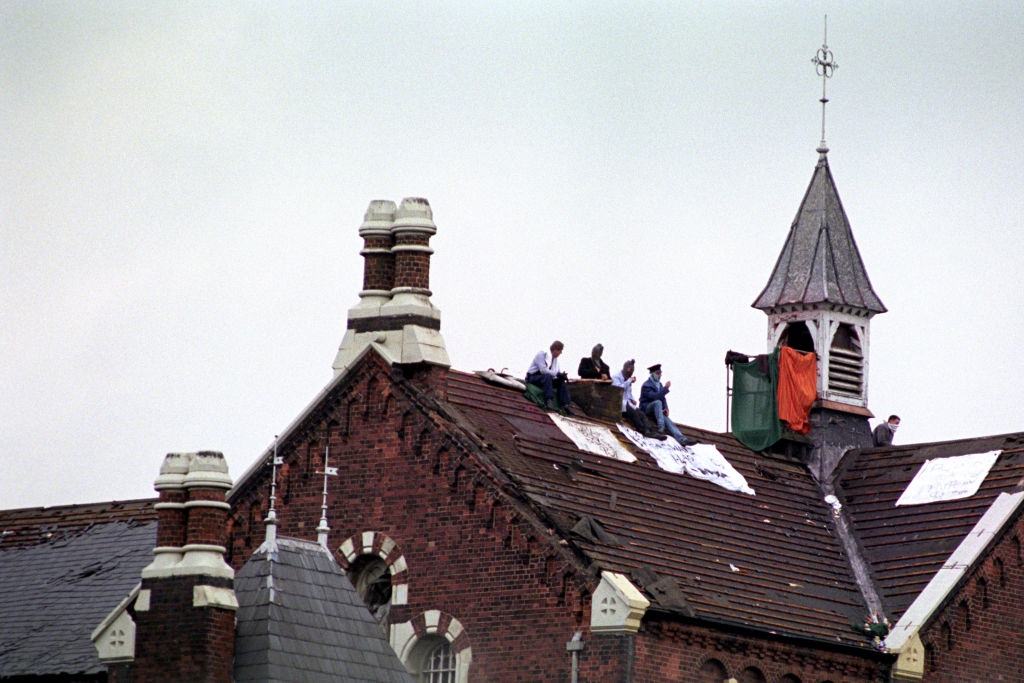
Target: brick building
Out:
[493,541]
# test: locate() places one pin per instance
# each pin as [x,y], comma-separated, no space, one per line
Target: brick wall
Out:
[468,552]
[672,651]
[472,553]
[979,634]
[379,267]
[182,643]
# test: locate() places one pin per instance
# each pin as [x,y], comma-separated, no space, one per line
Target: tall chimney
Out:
[185,610]
[402,324]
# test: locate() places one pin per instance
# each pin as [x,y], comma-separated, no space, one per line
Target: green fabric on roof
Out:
[755,412]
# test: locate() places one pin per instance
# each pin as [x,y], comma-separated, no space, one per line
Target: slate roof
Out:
[300,620]
[820,262]
[906,545]
[768,561]
[62,569]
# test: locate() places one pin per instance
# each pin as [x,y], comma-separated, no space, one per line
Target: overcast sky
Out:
[181,186]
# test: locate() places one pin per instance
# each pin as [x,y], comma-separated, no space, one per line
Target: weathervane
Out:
[825,66]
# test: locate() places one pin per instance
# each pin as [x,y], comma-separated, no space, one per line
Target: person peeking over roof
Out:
[545,374]
[885,432]
[654,404]
[592,367]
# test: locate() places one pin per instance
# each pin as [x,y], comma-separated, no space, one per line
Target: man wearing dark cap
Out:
[654,404]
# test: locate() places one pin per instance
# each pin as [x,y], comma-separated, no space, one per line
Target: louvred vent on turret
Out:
[846,363]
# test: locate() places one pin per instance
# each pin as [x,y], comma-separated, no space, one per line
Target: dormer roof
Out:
[820,263]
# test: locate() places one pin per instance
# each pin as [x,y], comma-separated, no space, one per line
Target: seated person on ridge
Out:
[544,373]
[654,404]
[593,367]
[625,379]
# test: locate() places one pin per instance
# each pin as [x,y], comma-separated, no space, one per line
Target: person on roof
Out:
[884,432]
[654,404]
[625,380]
[545,374]
[592,367]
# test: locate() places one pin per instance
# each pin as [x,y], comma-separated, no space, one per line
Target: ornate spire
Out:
[271,520]
[825,66]
[322,530]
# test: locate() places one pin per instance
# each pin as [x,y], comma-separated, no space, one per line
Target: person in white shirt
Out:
[625,379]
[544,373]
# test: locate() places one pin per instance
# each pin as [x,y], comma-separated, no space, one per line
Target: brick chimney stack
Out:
[395,314]
[185,610]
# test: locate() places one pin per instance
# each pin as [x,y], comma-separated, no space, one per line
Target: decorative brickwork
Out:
[979,634]
[471,551]
[671,651]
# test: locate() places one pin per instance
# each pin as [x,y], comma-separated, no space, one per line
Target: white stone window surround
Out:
[364,543]
[414,648]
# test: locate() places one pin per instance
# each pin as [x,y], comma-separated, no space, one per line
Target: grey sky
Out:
[181,185]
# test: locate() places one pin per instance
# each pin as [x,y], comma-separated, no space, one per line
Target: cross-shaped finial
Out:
[825,66]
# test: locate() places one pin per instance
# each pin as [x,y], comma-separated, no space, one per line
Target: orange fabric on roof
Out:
[798,387]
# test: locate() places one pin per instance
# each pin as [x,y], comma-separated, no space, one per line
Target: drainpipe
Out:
[575,646]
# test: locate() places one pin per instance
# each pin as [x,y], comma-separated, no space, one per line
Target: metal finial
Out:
[323,529]
[825,65]
[271,520]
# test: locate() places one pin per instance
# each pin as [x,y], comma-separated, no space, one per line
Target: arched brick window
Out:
[983,592]
[377,568]
[751,675]
[712,671]
[434,647]
[947,635]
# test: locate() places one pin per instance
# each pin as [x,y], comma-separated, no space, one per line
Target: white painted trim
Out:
[169,506]
[368,537]
[400,594]
[616,606]
[142,602]
[950,574]
[220,505]
[348,549]
[214,596]
[113,614]
[432,617]
[398,566]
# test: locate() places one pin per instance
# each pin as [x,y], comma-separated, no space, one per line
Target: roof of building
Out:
[767,561]
[300,619]
[820,262]
[906,545]
[771,561]
[62,569]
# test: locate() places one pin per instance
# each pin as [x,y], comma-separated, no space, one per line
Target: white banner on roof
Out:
[951,478]
[701,461]
[592,438]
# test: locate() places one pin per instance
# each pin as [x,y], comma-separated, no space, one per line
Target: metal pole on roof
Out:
[728,394]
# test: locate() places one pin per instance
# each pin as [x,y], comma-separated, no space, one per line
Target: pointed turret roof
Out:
[820,262]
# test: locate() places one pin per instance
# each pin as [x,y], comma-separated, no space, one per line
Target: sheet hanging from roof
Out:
[592,438]
[701,461]
[951,478]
